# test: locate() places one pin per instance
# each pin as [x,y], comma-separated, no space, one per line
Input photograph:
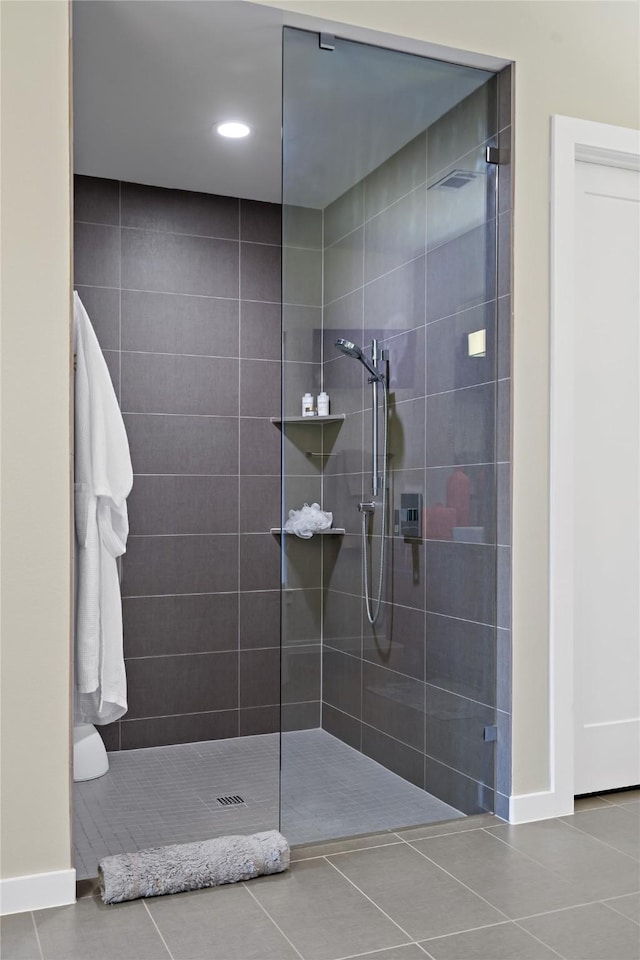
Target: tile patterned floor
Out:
[168,795]
[472,888]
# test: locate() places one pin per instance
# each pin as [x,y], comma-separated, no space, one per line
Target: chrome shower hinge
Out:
[496,156]
[327,41]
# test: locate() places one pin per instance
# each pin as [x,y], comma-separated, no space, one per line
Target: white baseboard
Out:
[544,805]
[37,891]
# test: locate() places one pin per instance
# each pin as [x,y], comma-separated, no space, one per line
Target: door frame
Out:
[572,140]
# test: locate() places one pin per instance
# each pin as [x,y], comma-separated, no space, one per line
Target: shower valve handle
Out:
[368,506]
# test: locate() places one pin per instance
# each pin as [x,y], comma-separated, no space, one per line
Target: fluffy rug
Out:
[190,866]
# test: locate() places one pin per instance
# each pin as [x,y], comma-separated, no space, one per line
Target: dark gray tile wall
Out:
[418,267]
[184,292]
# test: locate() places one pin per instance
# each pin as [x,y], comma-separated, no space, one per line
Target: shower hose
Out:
[373,609]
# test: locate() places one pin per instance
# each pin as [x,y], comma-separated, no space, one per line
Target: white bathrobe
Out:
[103,480]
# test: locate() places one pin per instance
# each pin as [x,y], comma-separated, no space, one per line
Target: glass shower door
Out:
[389,238]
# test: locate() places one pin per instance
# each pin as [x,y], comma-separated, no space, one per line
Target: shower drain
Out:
[229,801]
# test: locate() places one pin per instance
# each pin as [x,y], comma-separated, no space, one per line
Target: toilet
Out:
[90,759]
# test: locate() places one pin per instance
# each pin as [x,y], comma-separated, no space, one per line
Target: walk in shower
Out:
[390,237]
[356,681]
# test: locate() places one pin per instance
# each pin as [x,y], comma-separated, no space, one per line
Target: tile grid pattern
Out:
[161,795]
[471,889]
[184,293]
[418,270]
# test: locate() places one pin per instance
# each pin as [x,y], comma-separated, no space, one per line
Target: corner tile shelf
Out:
[307,421]
[333,418]
[336,531]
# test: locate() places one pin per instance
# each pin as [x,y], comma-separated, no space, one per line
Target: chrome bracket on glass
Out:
[497,156]
[327,41]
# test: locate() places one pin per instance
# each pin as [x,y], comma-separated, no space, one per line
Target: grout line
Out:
[35,928]
[433,613]
[490,832]
[427,323]
[423,680]
[198,296]
[196,713]
[276,925]
[425,254]
[371,953]
[436,836]
[569,827]
[420,946]
[387,273]
[366,220]
[605,800]
[452,693]
[484,926]
[604,843]
[544,913]
[203,416]
[543,942]
[194,236]
[207,356]
[461,882]
[607,903]
[211,593]
[431,179]
[206,653]
[229,533]
[216,476]
[197,356]
[404,470]
[157,928]
[442,393]
[356,887]
[342,853]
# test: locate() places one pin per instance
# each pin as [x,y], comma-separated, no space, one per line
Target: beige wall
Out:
[573,58]
[35,437]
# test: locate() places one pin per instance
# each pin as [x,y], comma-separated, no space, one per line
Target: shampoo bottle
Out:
[323,404]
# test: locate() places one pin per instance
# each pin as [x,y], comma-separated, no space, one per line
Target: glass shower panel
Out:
[389,243]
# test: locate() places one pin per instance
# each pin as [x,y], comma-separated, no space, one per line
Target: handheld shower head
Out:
[353,350]
[349,348]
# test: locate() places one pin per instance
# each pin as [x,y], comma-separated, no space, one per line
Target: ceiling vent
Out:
[456,180]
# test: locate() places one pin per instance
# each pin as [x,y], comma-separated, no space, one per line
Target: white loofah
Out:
[311,519]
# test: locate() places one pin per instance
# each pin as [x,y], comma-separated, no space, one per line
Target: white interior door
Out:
[606,474]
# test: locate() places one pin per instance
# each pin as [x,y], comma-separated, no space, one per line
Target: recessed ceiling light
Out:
[233,129]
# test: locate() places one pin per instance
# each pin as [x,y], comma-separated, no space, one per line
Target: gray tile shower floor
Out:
[165,795]
[473,888]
